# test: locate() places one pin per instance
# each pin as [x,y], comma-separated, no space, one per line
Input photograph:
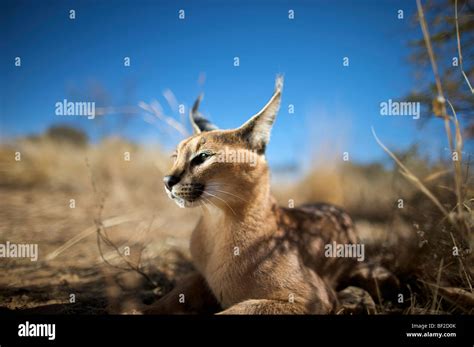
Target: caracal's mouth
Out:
[187,196]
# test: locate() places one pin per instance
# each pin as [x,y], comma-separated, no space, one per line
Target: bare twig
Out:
[154,108]
[459,297]
[411,177]
[110,222]
[103,237]
[457,145]
[440,99]
[461,264]
[438,280]
[458,36]
[457,163]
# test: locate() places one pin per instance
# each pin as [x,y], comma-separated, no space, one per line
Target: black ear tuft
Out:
[198,122]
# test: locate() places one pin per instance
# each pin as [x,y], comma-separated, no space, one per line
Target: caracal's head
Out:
[222,168]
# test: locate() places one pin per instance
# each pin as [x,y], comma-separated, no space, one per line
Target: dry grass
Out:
[427,242]
[448,233]
[35,194]
[126,204]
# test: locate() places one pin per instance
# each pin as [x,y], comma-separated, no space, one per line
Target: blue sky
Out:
[335,106]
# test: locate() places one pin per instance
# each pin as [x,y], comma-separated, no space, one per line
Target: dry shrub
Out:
[366,191]
[49,164]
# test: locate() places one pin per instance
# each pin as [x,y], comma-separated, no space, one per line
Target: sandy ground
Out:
[71,276]
[77,272]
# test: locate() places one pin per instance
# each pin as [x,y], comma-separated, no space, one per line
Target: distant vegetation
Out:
[65,133]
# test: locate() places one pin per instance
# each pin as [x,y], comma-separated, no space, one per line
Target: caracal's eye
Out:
[200,158]
[174,156]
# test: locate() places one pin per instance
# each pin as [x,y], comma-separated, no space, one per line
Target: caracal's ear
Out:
[198,122]
[256,131]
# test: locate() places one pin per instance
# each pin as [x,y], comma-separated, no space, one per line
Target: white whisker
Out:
[209,201]
[225,192]
[225,202]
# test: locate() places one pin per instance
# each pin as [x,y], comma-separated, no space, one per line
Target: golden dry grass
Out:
[36,192]
[35,195]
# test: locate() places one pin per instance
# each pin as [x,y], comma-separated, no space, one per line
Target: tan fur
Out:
[253,256]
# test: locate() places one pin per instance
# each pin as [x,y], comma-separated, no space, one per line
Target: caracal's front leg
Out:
[264,306]
[191,295]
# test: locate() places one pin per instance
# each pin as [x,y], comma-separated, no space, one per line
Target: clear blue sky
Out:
[335,106]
